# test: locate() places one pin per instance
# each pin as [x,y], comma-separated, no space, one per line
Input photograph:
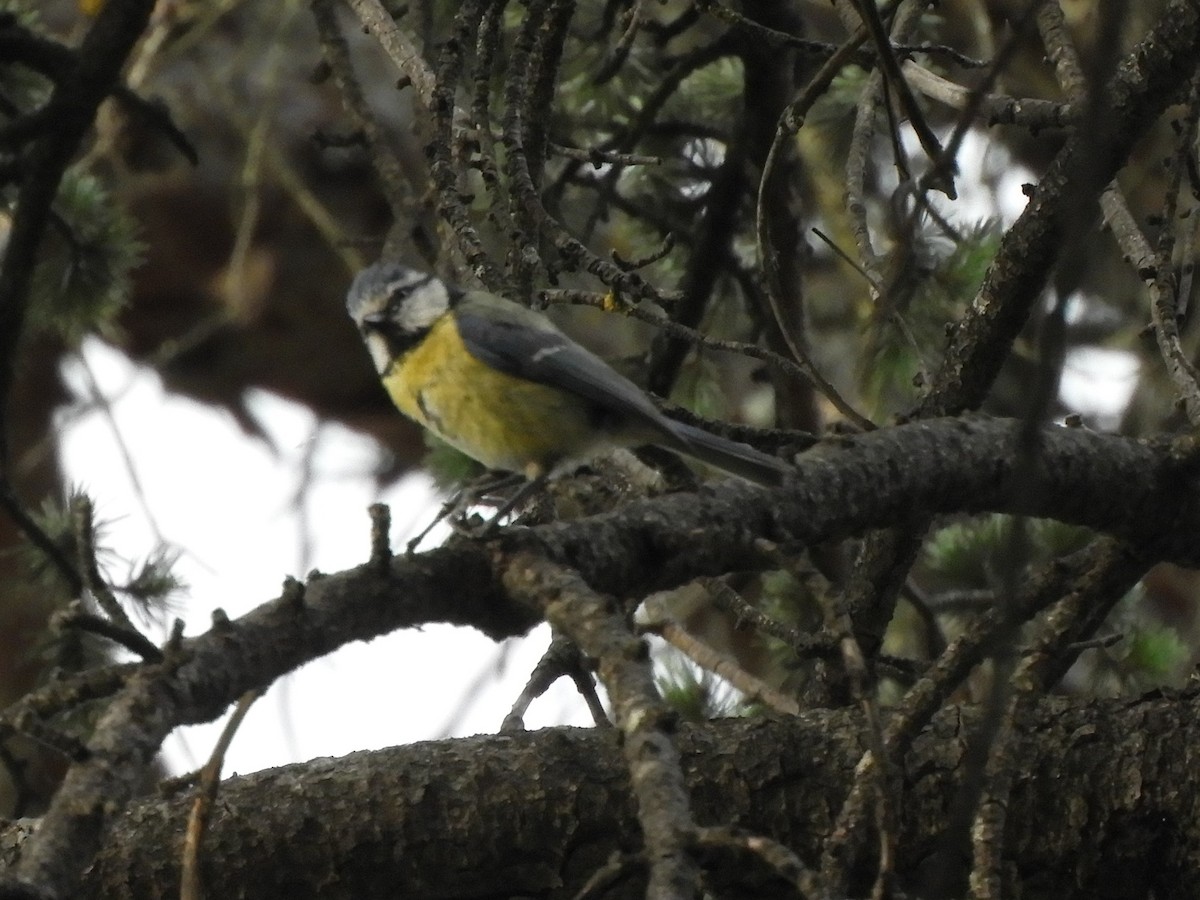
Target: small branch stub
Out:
[381,526]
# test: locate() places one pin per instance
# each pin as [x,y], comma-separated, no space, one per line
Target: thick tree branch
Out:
[295,828]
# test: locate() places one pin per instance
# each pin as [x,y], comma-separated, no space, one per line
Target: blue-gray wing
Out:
[520,342]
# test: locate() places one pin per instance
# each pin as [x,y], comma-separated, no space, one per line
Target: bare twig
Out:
[790,121]
[402,51]
[381,546]
[706,657]
[191,887]
[561,658]
[1028,112]
[337,54]
[889,65]
[1165,295]
[123,634]
[981,340]
[783,861]
[1104,569]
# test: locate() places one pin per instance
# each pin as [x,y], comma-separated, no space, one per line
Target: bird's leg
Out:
[450,507]
[456,507]
[519,496]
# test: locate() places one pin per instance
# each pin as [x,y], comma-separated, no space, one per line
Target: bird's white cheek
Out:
[378,348]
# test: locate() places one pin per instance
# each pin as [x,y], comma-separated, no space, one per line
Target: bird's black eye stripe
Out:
[399,341]
[401,292]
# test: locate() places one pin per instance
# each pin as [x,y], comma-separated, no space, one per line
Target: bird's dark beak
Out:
[375,320]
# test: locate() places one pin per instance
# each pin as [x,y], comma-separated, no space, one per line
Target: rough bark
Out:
[1104,807]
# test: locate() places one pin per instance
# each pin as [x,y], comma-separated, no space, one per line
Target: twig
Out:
[708,658]
[290,180]
[158,117]
[1104,568]
[337,55]
[664,250]
[66,745]
[85,543]
[1056,38]
[1165,294]
[786,864]
[447,139]
[890,67]
[620,50]
[125,635]
[63,694]
[104,405]
[790,121]
[1163,301]
[606,877]
[1028,112]
[777,38]
[381,547]
[804,645]
[596,157]
[561,658]
[190,887]
[980,343]
[402,52]
[1037,671]
[874,770]
[859,158]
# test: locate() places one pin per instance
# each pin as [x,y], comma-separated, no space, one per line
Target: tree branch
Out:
[290,828]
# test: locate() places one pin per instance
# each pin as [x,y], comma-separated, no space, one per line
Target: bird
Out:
[501,383]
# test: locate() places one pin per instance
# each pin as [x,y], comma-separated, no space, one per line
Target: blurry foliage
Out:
[82,281]
[55,519]
[694,693]
[21,86]
[976,553]
[1154,655]
[949,275]
[450,468]
[152,584]
[151,587]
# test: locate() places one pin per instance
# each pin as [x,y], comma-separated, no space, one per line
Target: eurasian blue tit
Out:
[502,384]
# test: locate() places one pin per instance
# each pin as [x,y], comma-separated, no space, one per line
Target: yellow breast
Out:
[502,421]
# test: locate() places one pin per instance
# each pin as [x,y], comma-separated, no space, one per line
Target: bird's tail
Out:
[731,456]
